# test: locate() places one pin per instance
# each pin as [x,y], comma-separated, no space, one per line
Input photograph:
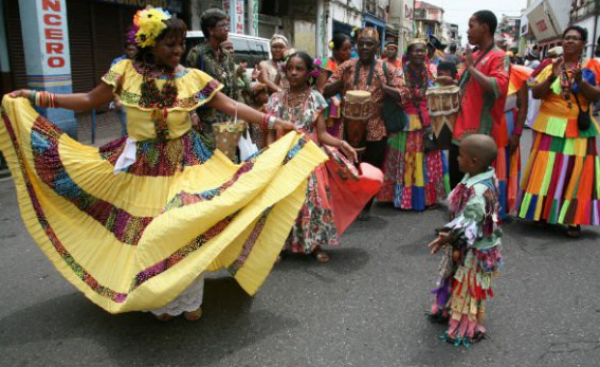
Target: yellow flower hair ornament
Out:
[148,25]
[331,45]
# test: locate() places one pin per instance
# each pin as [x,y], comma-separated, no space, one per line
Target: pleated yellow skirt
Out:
[136,240]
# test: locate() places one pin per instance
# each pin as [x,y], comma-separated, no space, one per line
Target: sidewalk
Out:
[108,128]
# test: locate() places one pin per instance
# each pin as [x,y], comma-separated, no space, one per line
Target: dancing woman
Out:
[134,224]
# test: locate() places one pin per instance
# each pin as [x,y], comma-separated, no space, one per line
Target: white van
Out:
[251,49]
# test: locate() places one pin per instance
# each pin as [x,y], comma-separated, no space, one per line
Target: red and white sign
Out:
[53,21]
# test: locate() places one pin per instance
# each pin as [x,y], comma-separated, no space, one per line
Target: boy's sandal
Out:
[193,315]
[478,336]
[321,256]
[573,231]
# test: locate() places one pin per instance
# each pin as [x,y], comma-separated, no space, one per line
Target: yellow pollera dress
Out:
[137,239]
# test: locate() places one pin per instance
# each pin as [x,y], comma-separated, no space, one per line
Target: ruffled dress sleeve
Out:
[196,88]
[116,75]
[319,103]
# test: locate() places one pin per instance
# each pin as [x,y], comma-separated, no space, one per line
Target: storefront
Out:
[96,30]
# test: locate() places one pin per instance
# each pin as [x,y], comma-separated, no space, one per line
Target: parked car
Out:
[251,49]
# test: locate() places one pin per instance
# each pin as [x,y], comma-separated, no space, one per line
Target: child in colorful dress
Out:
[471,245]
[318,223]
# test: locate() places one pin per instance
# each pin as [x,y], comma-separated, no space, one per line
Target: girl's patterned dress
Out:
[316,223]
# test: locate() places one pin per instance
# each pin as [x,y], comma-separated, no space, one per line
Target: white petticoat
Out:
[188,301]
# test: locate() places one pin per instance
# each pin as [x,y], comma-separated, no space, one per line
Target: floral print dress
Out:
[315,224]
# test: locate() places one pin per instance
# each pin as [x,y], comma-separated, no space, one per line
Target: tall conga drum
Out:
[357,110]
[443,104]
[227,136]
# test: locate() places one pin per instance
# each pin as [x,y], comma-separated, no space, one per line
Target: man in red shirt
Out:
[483,86]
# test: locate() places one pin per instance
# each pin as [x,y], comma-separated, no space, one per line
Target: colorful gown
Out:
[414,179]
[473,260]
[333,117]
[561,183]
[135,238]
[507,164]
[325,213]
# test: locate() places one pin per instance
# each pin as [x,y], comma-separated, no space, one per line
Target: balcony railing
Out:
[582,9]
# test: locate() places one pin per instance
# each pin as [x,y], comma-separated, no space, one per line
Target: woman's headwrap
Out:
[369,32]
[148,24]
[279,39]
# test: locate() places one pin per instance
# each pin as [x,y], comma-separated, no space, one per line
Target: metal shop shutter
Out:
[15,46]
[79,14]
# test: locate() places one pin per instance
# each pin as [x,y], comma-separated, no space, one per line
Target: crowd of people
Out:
[136,224]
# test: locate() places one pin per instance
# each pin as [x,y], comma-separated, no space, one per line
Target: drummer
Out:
[483,86]
[370,77]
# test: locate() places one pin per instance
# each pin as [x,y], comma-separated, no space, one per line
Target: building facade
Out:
[428,20]
[547,20]
[585,13]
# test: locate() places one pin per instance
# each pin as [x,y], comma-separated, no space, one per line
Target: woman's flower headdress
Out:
[148,24]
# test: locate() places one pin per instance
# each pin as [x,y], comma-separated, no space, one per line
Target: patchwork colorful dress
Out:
[137,237]
[561,183]
[333,113]
[414,179]
[473,260]
[319,223]
[508,164]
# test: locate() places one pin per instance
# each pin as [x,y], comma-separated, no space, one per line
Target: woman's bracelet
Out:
[42,99]
[265,121]
[32,94]
[271,123]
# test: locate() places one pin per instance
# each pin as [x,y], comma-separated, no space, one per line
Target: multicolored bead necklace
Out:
[567,82]
[417,78]
[161,101]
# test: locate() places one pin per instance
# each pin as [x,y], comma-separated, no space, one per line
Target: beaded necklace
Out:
[567,82]
[417,81]
[160,101]
[293,114]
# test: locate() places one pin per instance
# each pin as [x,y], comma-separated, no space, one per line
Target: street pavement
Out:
[365,308]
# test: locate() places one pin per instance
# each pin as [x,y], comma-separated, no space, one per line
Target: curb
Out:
[4,173]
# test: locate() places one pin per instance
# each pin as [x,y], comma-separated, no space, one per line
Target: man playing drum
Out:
[483,86]
[367,74]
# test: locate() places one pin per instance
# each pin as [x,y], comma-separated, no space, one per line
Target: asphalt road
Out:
[365,308]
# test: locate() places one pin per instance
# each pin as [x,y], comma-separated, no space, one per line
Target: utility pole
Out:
[596,10]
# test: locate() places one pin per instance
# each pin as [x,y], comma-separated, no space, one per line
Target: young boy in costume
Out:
[470,244]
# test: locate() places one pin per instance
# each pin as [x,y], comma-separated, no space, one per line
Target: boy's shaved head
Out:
[480,147]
